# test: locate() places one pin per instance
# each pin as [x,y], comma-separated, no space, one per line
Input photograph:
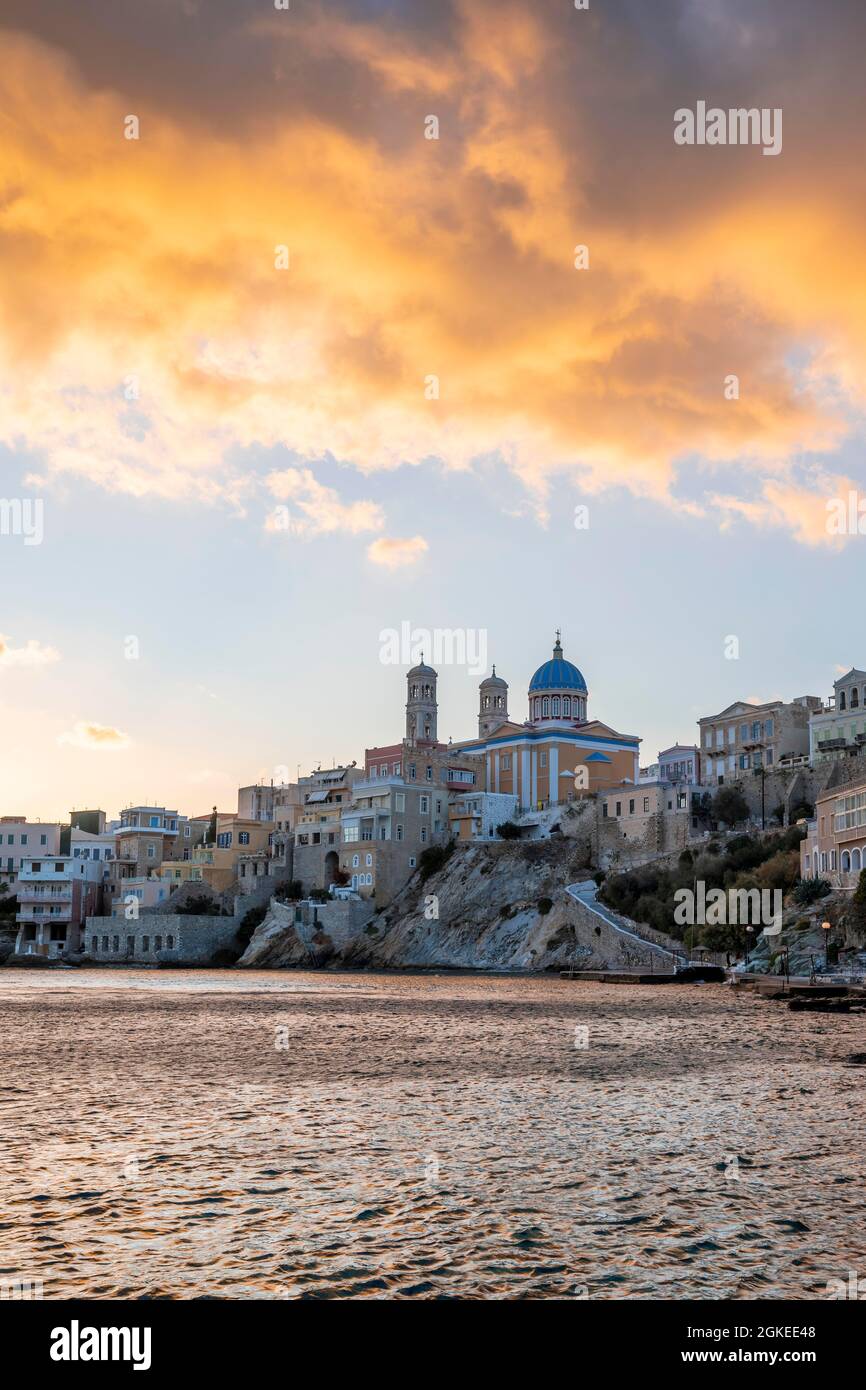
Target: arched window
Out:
[545,708]
[841,699]
[855,698]
[856,862]
[846,862]
[566,706]
[555,710]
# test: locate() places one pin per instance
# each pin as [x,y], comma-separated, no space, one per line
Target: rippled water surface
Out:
[225,1134]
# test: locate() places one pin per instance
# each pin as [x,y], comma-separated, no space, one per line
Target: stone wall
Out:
[194,940]
[303,934]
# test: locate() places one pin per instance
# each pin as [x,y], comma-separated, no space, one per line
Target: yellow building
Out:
[557,754]
[216,863]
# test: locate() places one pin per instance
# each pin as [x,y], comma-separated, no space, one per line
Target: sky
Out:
[279,373]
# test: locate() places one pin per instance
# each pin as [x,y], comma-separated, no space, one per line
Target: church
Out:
[555,754]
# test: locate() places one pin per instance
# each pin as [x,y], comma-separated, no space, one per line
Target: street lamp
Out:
[749,930]
[826,928]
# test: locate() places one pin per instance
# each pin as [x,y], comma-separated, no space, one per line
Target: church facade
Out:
[557,753]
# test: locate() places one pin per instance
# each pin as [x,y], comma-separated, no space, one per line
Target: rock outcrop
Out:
[502,906]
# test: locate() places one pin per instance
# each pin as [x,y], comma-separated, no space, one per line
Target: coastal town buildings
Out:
[55,895]
[680,763]
[317,831]
[477,815]
[744,737]
[19,838]
[215,862]
[838,729]
[835,843]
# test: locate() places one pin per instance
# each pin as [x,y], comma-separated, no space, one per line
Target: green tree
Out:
[730,806]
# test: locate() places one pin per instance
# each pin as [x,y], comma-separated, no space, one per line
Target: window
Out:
[157,943]
[604,810]
[720,738]
[396,769]
[368,859]
[619,808]
[169,943]
[154,820]
[545,708]
[411,861]
[399,832]
[424,806]
[115,943]
[555,706]
[130,945]
[356,859]
[58,868]
[542,758]
[243,837]
[94,943]
[646,804]
[756,729]
[105,943]
[411,772]
[428,773]
[43,839]
[631,806]
[423,834]
[186,831]
[506,762]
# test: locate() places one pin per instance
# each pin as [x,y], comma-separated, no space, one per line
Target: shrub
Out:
[198,905]
[432,859]
[289,892]
[809,890]
[250,921]
[508,830]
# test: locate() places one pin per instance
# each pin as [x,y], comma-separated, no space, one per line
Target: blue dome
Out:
[557,674]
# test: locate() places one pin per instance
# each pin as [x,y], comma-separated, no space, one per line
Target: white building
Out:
[20,838]
[55,895]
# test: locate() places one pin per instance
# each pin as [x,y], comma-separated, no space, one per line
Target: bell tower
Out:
[492,704]
[421,706]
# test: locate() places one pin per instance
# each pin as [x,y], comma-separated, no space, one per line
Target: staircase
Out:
[585,894]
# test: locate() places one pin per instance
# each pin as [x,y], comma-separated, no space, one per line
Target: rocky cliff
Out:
[500,906]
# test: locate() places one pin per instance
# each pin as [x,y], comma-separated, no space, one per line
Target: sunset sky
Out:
[240,462]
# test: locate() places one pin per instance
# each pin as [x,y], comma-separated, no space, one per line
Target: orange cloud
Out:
[88,735]
[148,333]
[394,552]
